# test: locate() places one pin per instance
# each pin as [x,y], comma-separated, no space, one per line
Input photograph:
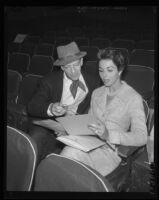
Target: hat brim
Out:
[69,59]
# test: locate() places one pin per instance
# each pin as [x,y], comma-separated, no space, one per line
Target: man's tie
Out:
[74,86]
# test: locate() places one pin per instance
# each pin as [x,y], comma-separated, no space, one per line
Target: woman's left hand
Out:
[99,129]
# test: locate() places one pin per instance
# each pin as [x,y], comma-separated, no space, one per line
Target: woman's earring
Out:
[120,73]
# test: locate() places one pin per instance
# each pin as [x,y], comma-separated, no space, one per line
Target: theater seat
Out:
[58,173]
[145,44]
[13,82]
[19,62]
[141,78]
[17,113]
[44,49]
[41,65]
[101,43]
[91,52]
[121,43]
[143,57]
[21,160]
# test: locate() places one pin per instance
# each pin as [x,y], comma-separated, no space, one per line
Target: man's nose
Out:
[72,69]
[105,75]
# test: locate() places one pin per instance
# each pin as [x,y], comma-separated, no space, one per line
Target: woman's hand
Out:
[99,129]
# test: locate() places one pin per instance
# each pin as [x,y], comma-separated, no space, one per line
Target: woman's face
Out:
[108,72]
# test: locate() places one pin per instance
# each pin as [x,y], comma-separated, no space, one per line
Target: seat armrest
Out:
[148,95]
[127,151]
[17,109]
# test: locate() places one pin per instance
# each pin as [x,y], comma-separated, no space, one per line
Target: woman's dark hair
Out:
[119,57]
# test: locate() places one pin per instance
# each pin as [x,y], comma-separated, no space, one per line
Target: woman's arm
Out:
[137,136]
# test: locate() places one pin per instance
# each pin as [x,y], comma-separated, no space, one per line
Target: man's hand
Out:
[60,133]
[57,109]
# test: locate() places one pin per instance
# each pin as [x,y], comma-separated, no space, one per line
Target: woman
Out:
[120,113]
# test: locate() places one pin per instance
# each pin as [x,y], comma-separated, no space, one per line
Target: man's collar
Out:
[65,78]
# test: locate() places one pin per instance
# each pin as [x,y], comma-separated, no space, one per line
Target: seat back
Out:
[145,44]
[62,33]
[146,109]
[101,43]
[13,47]
[34,39]
[121,43]
[19,62]
[150,141]
[28,48]
[21,160]
[41,65]
[75,32]
[44,49]
[50,33]
[13,82]
[62,41]
[150,121]
[27,88]
[141,78]
[91,52]
[142,57]
[58,173]
[48,39]
[91,67]
[82,41]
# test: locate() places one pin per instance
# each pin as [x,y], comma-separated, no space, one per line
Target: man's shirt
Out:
[67,99]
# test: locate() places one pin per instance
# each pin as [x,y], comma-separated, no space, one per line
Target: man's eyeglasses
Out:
[75,64]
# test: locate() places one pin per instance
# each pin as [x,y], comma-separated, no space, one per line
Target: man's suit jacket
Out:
[50,91]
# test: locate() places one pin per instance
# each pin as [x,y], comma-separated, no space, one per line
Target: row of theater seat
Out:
[43,64]
[35,46]
[125,31]
[57,173]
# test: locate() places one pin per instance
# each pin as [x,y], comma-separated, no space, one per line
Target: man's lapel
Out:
[86,81]
[82,108]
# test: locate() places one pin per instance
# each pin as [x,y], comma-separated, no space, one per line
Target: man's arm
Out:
[40,102]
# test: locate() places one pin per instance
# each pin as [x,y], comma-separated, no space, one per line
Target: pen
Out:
[111,146]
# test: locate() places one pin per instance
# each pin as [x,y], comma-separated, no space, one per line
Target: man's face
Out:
[73,69]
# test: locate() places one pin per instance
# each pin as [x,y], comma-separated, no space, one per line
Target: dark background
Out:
[116,20]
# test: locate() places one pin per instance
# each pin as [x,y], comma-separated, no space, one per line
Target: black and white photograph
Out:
[80,101]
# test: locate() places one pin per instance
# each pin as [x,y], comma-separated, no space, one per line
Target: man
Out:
[63,92]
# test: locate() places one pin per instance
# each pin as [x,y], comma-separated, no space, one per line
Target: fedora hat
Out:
[68,53]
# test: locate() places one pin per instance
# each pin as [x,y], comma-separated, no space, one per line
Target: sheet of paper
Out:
[19,38]
[77,124]
[84,143]
[50,124]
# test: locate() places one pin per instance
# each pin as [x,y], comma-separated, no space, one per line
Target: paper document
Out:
[50,124]
[84,143]
[77,124]
[20,38]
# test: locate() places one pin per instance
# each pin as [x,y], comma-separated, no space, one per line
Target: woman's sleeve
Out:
[137,136]
[90,111]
